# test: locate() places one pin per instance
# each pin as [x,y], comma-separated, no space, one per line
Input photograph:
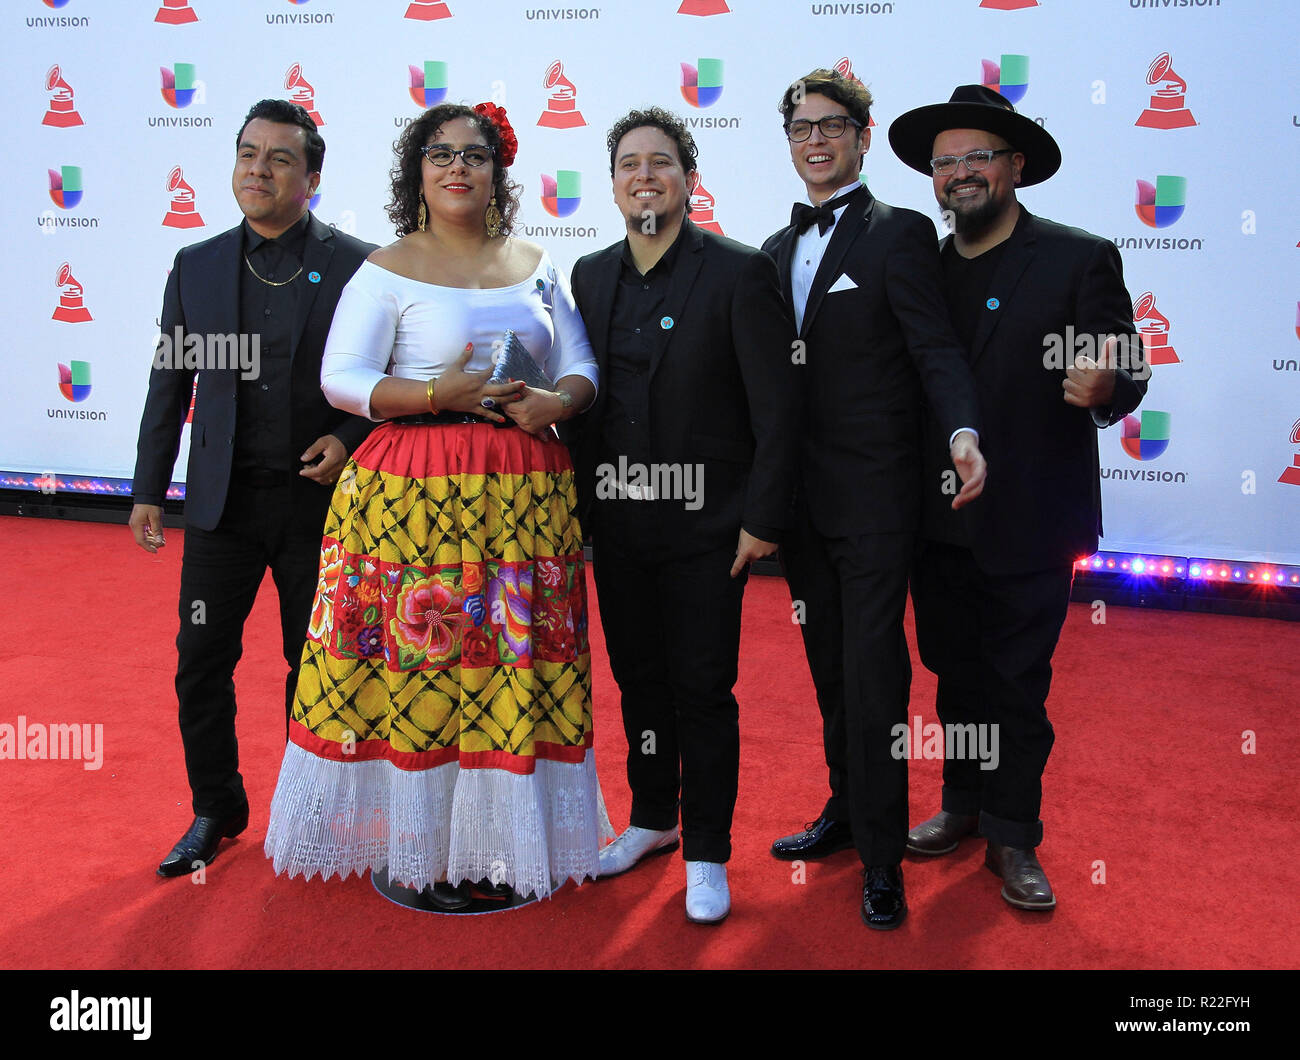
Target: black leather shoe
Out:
[883,904]
[941,833]
[200,842]
[818,839]
[447,898]
[1024,883]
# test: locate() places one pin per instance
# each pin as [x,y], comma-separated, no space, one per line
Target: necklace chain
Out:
[271,283]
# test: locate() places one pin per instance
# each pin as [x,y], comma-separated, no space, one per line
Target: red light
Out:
[1110,563]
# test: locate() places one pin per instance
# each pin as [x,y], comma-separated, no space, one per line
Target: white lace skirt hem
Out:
[532,832]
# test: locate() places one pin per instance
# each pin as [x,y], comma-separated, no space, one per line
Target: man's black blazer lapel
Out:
[689,261]
[854,222]
[1015,259]
[315,262]
[784,248]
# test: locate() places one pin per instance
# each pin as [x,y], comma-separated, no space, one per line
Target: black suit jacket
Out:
[874,347]
[1041,506]
[724,390]
[202,297]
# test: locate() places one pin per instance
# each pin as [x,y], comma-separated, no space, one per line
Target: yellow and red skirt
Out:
[442,726]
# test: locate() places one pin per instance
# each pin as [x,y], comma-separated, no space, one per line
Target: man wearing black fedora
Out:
[991,583]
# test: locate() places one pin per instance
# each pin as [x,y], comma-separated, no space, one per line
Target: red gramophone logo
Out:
[1008,5]
[1291,475]
[704,7]
[176,13]
[702,207]
[845,69]
[62,111]
[182,213]
[427,11]
[1168,109]
[1153,326]
[70,309]
[301,92]
[562,104]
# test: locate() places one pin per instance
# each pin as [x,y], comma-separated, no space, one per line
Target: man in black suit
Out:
[992,584]
[684,467]
[265,446]
[863,280]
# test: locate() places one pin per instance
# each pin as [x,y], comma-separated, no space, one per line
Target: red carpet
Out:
[1148,789]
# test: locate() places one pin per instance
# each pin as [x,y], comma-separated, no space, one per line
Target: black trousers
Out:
[990,639]
[853,593]
[277,527]
[672,630]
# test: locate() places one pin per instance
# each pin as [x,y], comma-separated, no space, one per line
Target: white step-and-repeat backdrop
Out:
[1177,120]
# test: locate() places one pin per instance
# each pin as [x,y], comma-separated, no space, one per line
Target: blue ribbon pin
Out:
[666,323]
[313,276]
[992,303]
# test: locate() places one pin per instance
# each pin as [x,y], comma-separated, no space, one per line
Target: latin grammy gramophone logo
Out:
[1168,109]
[182,212]
[702,207]
[1010,77]
[428,83]
[176,13]
[845,69]
[71,308]
[427,11]
[301,92]
[1153,326]
[62,111]
[562,104]
[702,84]
[704,7]
[1291,475]
[1008,5]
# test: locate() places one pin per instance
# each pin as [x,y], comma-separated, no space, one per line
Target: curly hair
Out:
[852,95]
[406,174]
[667,123]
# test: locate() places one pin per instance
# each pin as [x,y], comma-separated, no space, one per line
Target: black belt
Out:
[449,417]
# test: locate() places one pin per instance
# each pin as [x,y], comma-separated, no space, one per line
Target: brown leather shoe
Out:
[1024,883]
[940,834]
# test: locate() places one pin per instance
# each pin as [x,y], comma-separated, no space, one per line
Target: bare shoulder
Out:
[525,255]
[401,256]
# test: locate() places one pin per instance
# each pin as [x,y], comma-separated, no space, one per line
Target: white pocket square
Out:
[843,284]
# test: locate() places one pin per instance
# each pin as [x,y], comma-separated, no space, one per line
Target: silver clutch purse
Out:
[514,362]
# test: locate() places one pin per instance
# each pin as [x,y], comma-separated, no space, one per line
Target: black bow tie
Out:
[802,215]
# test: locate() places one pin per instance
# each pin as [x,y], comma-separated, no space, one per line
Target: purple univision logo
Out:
[1146,435]
[1161,204]
[562,193]
[65,186]
[702,84]
[428,83]
[178,85]
[74,380]
[1010,78]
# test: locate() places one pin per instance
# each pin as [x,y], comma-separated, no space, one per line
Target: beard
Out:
[972,220]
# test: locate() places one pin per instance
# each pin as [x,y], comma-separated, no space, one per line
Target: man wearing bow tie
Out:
[862,279]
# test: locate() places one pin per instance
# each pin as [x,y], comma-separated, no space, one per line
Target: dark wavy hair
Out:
[667,123]
[404,207]
[283,112]
[852,95]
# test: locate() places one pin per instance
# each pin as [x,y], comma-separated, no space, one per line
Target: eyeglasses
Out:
[975,160]
[831,126]
[442,156]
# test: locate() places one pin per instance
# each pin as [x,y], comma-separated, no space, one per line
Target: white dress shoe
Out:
[708,898]
[632,846]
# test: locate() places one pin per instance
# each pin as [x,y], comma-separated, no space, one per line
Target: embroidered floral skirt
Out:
[442,727]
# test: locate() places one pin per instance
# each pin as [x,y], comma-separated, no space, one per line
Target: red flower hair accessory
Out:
[509,144]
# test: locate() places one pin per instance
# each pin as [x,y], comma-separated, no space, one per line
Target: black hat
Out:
[975,107]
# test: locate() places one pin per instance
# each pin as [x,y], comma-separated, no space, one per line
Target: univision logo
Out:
[65,186]
[562,193]
[1010,77]
[702,84]
[74,380]
[428,83]
[179,85]
[1146,435]
[1161,204]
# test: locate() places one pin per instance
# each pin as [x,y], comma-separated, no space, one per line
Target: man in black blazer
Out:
[1048,322]
[247,312]
[863,280]
[684,466]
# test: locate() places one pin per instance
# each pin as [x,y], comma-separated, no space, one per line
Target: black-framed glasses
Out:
[975,160]
[442,156]
[831,126]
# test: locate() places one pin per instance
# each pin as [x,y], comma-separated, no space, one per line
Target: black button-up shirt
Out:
[268,308]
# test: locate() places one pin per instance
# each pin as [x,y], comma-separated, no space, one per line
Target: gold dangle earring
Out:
[493,219]
[423,215]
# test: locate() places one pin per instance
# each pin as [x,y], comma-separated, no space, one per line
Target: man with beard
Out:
[991,584]
[862,278]
[684,466]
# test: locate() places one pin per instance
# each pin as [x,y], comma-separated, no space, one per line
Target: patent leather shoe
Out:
[818,839]
[1024,883]
[941,833]
[448,899]
[883,904]
[200,842]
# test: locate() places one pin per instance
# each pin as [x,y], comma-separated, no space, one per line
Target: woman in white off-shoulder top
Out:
[442,728]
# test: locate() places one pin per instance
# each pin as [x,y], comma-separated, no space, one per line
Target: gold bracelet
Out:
[428,393]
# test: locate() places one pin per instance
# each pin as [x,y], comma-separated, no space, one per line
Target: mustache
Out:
[952,185]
